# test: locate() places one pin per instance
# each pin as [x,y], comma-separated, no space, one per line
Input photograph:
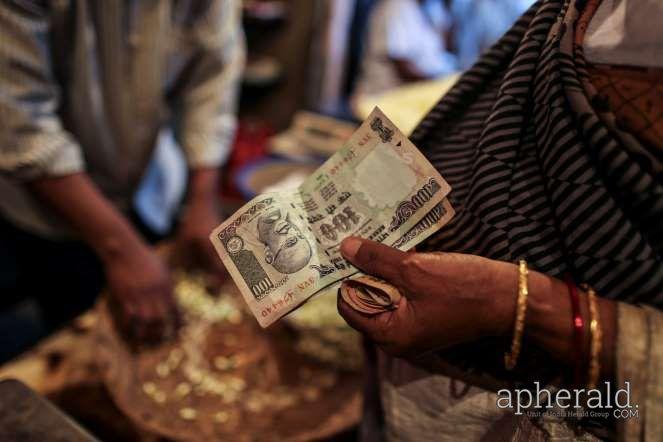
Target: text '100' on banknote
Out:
[282,248]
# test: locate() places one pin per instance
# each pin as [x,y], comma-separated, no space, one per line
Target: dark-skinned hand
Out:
[141,295]
[198,221]
[448,298]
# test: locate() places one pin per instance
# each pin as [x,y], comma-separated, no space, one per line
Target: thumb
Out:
[374,258]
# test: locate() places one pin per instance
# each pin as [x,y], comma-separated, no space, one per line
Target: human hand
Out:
[198,221]
[141,295]
[448,298]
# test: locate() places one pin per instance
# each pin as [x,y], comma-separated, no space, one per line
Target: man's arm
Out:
[76,198]
[33,142]
[36,150]
[206,125]
[138,280]
[207,98]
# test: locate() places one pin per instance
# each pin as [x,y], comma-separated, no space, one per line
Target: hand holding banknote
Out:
[282,248]
[445,298]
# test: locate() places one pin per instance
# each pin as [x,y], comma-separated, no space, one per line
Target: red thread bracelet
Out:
[578,332]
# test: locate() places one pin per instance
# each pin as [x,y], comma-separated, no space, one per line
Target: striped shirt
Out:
[88,86]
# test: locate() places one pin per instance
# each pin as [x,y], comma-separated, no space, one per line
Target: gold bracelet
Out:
[511,358]
[596,339]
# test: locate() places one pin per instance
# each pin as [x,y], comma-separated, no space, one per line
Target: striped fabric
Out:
[538,174]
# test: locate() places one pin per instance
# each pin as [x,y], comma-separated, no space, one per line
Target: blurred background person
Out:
[415,40]
[477,24]
[406,40]
[85,92]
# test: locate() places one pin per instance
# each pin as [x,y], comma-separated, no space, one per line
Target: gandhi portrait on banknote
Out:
[286,249]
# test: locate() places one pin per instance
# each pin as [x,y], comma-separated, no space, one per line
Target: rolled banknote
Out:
[370,295]
[282,248]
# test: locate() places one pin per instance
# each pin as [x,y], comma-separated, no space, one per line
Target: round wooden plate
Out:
[224,378]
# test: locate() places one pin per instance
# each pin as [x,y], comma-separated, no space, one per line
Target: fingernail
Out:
[349,247]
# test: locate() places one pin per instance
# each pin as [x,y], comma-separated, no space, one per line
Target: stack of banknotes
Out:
[370,295]
[283,248]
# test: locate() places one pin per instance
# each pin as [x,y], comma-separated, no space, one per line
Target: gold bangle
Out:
[511,358]
[596,339]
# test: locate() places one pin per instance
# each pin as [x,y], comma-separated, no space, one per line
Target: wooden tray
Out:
[279,394]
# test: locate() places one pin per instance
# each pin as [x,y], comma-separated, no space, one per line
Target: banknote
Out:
[431,223]
[282,248]
[370,295]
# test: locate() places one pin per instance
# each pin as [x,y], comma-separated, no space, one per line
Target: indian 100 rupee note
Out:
[282,248]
